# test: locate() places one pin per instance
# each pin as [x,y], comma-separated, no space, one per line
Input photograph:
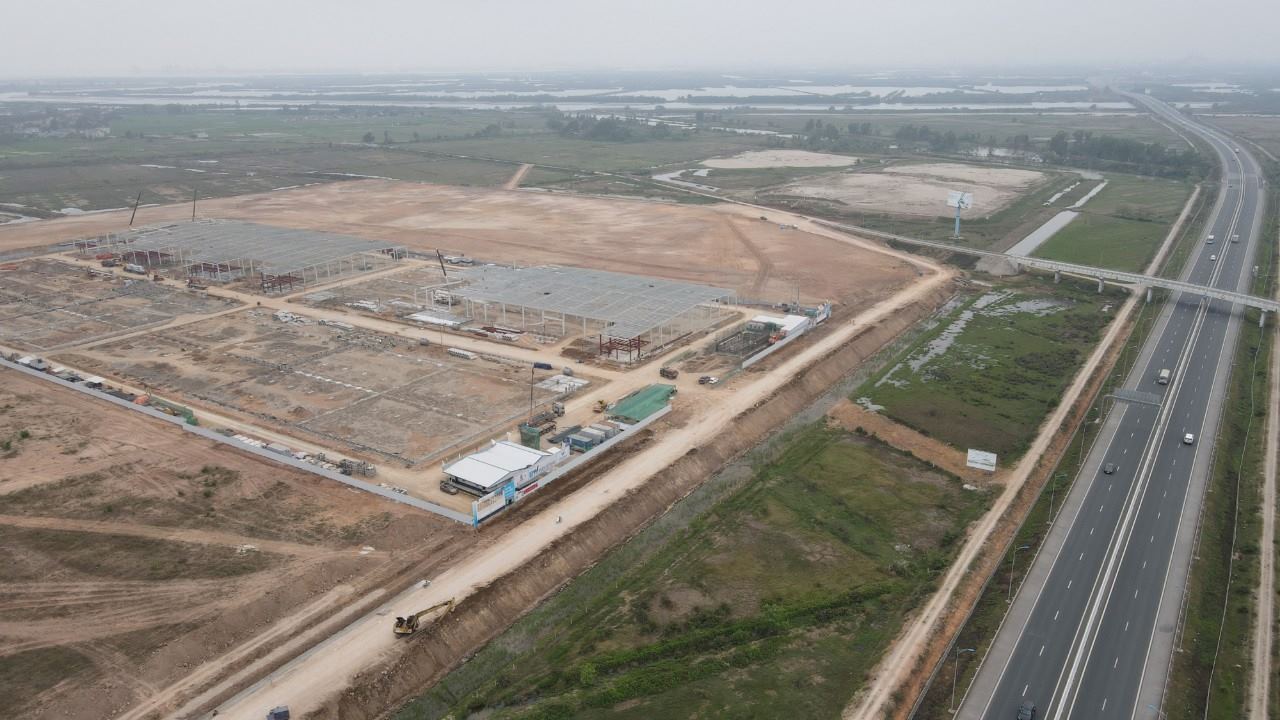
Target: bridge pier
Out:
[1148,293]
[1262,319]
[1099,286]
[1057,276]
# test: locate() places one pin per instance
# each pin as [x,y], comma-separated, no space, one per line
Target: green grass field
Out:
[775,602]
[1122,226]
[992,371]
[1038,126]
[1104,241]
[639,156]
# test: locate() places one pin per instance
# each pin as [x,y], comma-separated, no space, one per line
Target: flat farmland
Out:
[377,394]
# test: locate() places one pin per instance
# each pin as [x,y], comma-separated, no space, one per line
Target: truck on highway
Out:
[1164,376]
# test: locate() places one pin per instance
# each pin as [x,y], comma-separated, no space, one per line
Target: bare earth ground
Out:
[699,244]
[919,190]
[388,397]
[781,158]
[131,552]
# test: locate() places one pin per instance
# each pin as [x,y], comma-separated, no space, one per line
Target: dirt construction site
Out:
[207,568]
[388,398]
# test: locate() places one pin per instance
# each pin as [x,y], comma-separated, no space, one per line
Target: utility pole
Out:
[135,208]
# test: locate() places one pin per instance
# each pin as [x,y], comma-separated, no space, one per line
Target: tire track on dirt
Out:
[764,266]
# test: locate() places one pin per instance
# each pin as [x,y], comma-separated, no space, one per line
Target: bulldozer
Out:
[409,625]
[602,405]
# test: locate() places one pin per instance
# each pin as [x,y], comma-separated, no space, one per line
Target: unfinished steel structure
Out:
[630,315]
[226,250]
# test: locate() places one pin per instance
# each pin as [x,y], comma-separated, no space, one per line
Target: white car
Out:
[1213,258]
[1188,439]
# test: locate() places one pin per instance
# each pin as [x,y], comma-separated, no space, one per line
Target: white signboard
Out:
[982,460]
[957,199]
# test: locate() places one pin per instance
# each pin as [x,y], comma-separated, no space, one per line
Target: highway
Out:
[1090,633]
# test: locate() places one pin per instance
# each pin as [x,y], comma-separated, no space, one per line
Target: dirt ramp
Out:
[483,616]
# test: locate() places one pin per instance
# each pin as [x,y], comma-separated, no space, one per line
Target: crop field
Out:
[47,304]
[994,367]
[384,396]
[130,553]
[775,602]
[1122,226]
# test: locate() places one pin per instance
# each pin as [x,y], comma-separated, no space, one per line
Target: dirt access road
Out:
[308,681]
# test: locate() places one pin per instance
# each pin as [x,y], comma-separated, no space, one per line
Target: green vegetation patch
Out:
[989,374]
[1107,242]
[776,602]
[1122,226]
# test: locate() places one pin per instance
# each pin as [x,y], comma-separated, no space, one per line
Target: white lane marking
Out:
[1069,584]
[1081,556]
[1055,615]
[1126,626]
[1041,651]
[1024,690]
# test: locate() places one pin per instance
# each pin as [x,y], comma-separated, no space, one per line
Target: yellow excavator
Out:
[409,625]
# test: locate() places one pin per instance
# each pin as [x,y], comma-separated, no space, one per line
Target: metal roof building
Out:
[233,249]
[479,473]
[627,312]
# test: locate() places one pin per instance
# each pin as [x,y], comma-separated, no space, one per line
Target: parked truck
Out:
[669,373]
[135,269]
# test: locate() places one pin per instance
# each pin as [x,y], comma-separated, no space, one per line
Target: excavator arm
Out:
[408,625]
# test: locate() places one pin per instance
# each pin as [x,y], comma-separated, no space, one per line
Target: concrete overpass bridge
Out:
[1127,279]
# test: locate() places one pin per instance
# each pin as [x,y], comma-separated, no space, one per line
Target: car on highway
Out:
[1235,237]
[1213,258]
[1188,439]
[1027,711]
[1209,240]
[1109,469]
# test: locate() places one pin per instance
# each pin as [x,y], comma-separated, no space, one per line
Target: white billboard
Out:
[981,460]
[957,199]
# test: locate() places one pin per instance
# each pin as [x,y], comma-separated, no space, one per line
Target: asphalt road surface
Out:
[1091,630]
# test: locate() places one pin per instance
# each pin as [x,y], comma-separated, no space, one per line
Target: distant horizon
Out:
[992,71]
[130,38]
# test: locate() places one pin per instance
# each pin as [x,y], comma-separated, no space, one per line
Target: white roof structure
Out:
[489,467]
[786,322]
[630,305]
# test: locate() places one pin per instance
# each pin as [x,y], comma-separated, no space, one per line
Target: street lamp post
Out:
[1053,489]
[955,674]
[1013,561]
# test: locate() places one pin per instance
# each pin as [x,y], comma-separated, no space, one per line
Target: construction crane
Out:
[406,626]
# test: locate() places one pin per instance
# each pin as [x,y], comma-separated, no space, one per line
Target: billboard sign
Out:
[981,460]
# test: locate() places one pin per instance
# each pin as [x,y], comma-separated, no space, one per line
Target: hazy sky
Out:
[103,37]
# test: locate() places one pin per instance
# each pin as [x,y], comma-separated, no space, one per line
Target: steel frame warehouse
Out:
[225,250]
[627,312]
